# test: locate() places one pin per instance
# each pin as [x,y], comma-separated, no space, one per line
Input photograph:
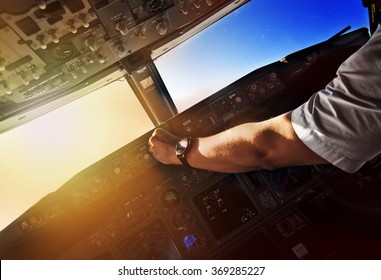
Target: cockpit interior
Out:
[83,83]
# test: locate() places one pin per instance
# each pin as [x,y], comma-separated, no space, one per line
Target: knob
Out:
[83,18]
[41,39]
[122,27]
[53,34]
[71,24]
[161,27]
[91,43]
[8,91]
[2,64]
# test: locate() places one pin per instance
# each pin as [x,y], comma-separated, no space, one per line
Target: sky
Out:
[39,156]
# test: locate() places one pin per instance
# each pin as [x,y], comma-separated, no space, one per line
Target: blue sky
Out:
[256,34]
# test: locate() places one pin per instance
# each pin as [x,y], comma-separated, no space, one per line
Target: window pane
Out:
[41,155]
[258,33]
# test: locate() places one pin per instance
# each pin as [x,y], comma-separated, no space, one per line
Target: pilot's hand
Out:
[162,146]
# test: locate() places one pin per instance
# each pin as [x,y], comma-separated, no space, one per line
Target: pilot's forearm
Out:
[233,150]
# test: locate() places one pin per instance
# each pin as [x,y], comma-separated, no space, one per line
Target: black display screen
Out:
[28,26]
[287,180]
[225,206]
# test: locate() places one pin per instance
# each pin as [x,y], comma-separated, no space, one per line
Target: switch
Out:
[90,59]
[33,68]
[41,39]
[71,70]
[121,50]
[82,66]
[161,27]
[2,64]
[122,27]
[195,4]
[8,91]
[141,32]
[24,79]
[91,43]
[83,18]
[101,58]
[53,34]
[71,23]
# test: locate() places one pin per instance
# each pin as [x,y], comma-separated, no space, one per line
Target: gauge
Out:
[63,52]
[154,6]
[170,198]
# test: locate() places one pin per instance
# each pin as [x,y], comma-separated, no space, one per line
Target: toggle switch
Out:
[84,19]
[41,39]
[161,27]
[2,64]
[24,79]
[73,28]
[8,91]
[33,69]
[121,26]
[53,34]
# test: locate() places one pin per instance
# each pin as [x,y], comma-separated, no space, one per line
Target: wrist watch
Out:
[182,148]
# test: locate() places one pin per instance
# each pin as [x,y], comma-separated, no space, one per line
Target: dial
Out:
[154,6]
[170,198]
[63,52]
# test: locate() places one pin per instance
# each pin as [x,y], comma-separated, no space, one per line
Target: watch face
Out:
[181,147]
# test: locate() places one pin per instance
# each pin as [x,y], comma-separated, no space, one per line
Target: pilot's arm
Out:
[269,144]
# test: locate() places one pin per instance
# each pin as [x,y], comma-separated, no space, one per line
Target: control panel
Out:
[130,206]
[54,46]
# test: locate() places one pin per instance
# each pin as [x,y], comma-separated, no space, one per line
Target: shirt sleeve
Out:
[342,123]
